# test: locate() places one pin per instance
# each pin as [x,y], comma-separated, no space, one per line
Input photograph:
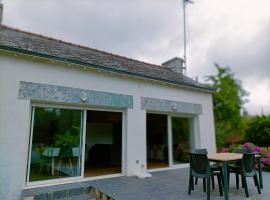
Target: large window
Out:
[56,144]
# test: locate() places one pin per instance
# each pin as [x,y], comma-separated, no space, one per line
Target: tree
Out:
[258,131]
[228,99]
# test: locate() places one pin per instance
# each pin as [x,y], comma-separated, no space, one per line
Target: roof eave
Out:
[100,67]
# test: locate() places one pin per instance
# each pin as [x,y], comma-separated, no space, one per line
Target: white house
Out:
[70,113]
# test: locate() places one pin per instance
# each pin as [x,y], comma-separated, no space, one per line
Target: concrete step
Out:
[44,197]
[81,197]
[100,195]
[83,193]
[67,192]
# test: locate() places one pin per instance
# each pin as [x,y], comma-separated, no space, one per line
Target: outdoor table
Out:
[225,159]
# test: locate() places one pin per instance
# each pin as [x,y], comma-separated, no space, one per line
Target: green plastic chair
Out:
[236,167]
[200,168]
[214,168]
[248,170]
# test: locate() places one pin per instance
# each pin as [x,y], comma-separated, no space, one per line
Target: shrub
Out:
[258,131]
[265,161]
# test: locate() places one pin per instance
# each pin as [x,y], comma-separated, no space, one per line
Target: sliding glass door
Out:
[73,144]
[169,140]
[56,144]
[180,140]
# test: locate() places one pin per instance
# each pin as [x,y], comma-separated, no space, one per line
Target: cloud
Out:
[235,34]
[129,28]
[248,57]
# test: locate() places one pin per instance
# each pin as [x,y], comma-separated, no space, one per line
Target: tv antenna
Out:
[185,2]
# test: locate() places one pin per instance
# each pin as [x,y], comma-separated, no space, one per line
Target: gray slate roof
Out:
[33,44]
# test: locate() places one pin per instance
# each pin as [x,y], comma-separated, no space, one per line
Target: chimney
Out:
[176,64]
[1,12]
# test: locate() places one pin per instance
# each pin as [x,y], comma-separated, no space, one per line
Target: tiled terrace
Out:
[165,185]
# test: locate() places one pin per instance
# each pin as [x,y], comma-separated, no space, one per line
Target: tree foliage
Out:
[228,99]
[258,131]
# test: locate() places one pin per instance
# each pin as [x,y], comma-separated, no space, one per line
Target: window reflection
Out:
[56,144]
[180,139]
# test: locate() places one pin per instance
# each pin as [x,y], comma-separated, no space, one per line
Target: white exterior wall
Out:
[15,113]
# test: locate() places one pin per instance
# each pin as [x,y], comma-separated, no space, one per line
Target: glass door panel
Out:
[157,141]
[103,146]
[56,144]
[180,140]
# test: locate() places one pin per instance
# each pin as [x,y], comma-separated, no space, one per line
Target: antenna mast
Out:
[185,2]
[1,12]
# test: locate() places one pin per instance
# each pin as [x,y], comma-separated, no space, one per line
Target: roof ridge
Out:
[81,46]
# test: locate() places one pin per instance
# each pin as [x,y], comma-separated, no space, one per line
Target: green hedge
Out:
[258,131]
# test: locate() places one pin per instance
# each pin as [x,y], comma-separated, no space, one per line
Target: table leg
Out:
[260,173]
[225,181]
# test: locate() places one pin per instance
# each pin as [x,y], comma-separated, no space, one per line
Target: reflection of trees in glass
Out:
[69,138]
[53,126]
[181,129]
[56,127]
[181,143]
[60,128]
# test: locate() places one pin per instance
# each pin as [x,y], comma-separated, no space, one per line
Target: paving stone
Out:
[164,185]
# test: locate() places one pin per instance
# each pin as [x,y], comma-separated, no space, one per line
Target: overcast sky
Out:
[233,33]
